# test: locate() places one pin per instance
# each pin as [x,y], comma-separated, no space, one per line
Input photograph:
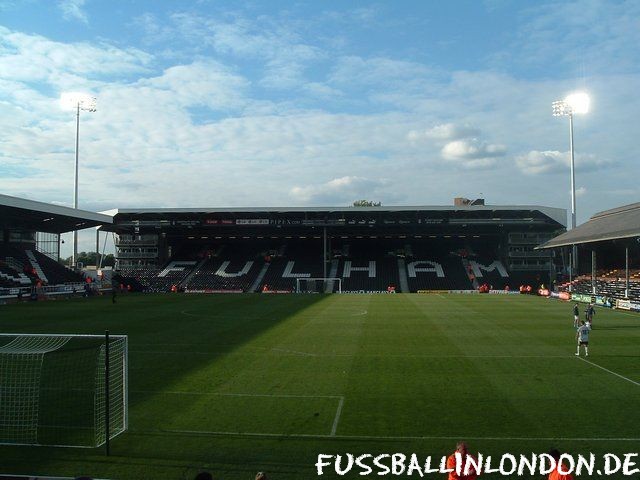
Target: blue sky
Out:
[265,103]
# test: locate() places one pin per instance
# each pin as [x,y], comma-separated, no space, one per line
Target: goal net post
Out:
[53,389]
[318,285]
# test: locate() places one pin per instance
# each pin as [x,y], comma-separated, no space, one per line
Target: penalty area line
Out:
[225,394]
[206,433]
[609,371]
[336,420]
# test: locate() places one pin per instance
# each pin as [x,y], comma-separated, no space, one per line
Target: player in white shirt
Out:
[582,336]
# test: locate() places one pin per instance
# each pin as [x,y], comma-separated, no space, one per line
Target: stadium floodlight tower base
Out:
[318,285]
[61,390]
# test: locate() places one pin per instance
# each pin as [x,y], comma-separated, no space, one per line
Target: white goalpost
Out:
[63,390]
[318,285]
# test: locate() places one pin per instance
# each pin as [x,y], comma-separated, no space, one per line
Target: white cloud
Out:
[321,90]
[202,127]
[581,191]
[33,58]
[601,35]
[553,161]
[535,162]
[338,191]
[72,10]
[445,131]
[473,153]
[380,71]
[275,43]
[201,83]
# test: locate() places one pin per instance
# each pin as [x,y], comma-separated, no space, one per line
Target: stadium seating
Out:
[366,266]
[229,275]
[24,266]
[362,264]
[295,260]
[235,267]
[434,266]
[611,284]
[154,279]
[55,272]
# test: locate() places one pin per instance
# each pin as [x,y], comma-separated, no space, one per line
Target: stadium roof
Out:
[615,224]
[45,217]
[559,215]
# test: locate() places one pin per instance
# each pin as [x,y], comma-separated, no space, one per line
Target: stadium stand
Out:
[234,273]
[55,272]
[370,249]
[24,267]
[436,265]
[27,229]
[234,267]
[363,266]
[366,266]
[614,287]
[607,245]
[291,260]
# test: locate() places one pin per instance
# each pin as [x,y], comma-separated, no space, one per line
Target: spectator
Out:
[261,476]
[556,475]
[461,448]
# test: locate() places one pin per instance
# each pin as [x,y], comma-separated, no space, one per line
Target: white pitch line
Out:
[334,427]
[176,352]
[216,394]
[374,437]
[364,312]
[215,316]
[294,352]
[191,345]
[609,371]
[631,314]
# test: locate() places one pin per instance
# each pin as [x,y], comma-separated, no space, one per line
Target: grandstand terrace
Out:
[369,248]
[30,242]
[608,252]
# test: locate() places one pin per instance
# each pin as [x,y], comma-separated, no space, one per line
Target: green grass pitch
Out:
[235,384]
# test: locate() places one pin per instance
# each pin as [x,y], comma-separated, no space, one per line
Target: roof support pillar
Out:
[626,272]
[593,272]
[324,253]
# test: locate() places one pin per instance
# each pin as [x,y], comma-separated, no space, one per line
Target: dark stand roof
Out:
[45,217]
[614,224]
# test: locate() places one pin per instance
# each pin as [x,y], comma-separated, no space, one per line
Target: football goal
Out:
[62,390]
[318,285]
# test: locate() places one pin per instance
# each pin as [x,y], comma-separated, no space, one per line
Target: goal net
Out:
[318,285]
[53,389]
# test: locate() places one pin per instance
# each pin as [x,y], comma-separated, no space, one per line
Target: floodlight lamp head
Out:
[82,101]
[561,108]
[579,102]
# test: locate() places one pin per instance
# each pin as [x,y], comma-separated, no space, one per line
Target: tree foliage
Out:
[366,203]
[89,258]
